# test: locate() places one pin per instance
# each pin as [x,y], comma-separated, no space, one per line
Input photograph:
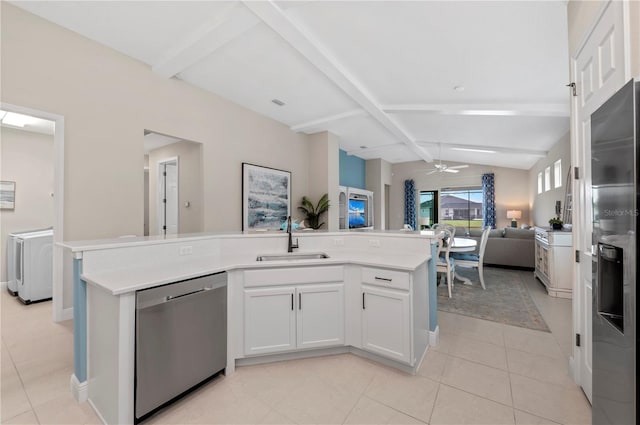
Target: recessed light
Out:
[473,150]
[363,147]
[278,102]
[459,88]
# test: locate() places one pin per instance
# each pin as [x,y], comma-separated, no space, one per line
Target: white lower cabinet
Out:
[269,320]
[386,322]
[294,317]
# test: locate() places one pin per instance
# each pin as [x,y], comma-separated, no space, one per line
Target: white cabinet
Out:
[300,316]
[320,315]
[269,320]
[553,262]
[386,313]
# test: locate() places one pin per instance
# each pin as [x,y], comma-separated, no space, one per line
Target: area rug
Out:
[506,299]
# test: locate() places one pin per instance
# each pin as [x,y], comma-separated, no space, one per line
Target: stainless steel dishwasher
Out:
[181,339]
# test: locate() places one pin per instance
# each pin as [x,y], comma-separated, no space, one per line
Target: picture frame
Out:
[7,195]
[266,197]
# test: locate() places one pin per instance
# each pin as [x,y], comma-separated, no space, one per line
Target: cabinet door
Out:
[269,320]
[386,323]
[320,315]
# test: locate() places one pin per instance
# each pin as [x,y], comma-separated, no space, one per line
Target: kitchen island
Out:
[373,296]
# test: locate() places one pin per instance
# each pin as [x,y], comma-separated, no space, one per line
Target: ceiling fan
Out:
[444,168]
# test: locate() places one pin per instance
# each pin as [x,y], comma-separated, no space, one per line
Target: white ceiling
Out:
[155,140]
[379,74]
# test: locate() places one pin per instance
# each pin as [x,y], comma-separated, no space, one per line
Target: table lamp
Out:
[424,222]
[514,215]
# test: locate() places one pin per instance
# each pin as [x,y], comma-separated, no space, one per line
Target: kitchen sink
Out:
[295,256]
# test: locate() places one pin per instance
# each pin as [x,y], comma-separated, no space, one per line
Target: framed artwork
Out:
[7,195]
[266,197]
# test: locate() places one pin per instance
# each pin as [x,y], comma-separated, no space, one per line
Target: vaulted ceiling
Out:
[396,80]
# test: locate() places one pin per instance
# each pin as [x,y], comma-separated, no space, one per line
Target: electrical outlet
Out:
[374,242]
[338,242]
[186,250]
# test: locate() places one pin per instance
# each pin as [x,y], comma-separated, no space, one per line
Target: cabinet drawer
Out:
[293,275]
[386,278]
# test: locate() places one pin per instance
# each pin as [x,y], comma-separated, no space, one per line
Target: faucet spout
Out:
[290,245]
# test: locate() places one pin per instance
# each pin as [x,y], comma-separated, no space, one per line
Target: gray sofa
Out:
[508,247]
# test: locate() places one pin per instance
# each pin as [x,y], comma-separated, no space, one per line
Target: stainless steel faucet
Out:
[291,245]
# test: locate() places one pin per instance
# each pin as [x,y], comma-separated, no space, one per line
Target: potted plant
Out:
[556,223]
[313,213]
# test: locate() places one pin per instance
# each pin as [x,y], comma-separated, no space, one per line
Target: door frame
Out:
[160,208]
[59,312]
[575,361]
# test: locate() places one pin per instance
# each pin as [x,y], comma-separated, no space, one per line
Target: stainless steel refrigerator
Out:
[616,190]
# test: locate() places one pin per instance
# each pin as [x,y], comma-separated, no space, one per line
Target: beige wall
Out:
[27,159]
[378,174]
[543,206]
[108,100]
[511,185]
[191,218]
[324,173]
[581,15]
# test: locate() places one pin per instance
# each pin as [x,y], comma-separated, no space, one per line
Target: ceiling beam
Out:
[321,123]
[300,39]
[485,109]
[481,149]
[226,26]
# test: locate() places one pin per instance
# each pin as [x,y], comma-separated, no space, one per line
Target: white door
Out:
[320,315]
[599,70]
[269,320]
[386,323]
[167,204]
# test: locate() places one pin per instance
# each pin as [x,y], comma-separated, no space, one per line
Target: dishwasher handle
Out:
[175,297]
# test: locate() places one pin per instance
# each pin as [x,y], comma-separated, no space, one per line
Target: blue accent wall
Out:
[352,171]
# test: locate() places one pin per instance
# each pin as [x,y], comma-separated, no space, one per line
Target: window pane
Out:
[547,179]
[540,189]
[461,207]
[557,173]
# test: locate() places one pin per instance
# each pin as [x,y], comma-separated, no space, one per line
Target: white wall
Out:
[378,174]
[511,186]
[543,206]
[27,159]
[190,219]
[108,99]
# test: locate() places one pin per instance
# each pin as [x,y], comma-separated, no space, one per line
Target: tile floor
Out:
[481,373]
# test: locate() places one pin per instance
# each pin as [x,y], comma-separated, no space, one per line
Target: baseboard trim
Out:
[502,266]
[97,412]
[79,390]
[434,337]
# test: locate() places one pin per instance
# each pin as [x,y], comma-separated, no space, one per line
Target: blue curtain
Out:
[488,201]
[410,203]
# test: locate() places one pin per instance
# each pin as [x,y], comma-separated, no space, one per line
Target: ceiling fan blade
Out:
[438,165]
[431,172]
[458,166]
[449,170]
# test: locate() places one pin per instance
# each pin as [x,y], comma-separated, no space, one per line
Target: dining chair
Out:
[450,227]
[445,263]
[473,260]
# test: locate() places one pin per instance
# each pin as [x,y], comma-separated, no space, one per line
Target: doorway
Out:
[168,195]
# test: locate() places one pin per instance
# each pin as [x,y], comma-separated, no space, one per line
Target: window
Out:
[428,213]
[461,207]
[557,174]
[547,179]
[540,189]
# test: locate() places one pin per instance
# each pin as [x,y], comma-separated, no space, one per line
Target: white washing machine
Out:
[12,245]
[34,271]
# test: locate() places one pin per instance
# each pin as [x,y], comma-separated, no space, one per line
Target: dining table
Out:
[462,245]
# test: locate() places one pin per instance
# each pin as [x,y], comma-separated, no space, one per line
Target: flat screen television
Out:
[357,216]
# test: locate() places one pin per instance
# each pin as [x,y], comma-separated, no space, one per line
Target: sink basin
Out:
[292,256]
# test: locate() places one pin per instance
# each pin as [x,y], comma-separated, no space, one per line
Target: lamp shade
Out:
[424,221]
[514,214]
